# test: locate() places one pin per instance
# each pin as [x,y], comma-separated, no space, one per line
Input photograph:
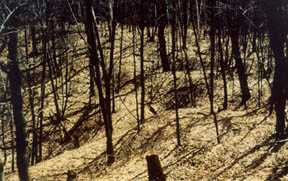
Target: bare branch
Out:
[11,13]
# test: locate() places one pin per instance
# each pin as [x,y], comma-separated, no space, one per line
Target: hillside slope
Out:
[247,150]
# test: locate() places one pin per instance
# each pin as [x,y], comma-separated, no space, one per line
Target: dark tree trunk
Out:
[42,95]
[185,6]
[31,95]
[112,33]
[71,176]
[161,9]
[277,37]
[34,41]
[212,35]
[1,171]
[173,52]
[120,60]
[14,76]
[142,76]
[134,40]
[3,141]
[241,70]
[223,65]
[155,171]
[12,146]
[105,102]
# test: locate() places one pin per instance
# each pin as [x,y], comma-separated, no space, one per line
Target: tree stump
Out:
[155,171]
[71,175]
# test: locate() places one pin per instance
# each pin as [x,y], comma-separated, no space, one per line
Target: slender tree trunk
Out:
[42,95]
[212,34]
[223,69]
[31,104]
[205,74]
[105,102]
[142,76]
[3,141]
[173,36]
[34,41]
[12,145]
[120,60]
[112,35]
[134,40]
[241,70]
[185,5]
[161,8]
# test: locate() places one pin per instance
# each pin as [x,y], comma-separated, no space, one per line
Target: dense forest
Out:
[143,90]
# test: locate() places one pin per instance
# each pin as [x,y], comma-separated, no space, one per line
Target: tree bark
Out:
[142,76]
[1,171]
[105,102]
[241,70]
[223,66]
[155,171]
[14,77]
[161,9]
[277,38]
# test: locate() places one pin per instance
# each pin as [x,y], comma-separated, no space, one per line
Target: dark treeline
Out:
[38,58]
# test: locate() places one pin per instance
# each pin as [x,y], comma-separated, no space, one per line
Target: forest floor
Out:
[247,151]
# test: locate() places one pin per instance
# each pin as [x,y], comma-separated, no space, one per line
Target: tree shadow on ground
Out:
[183,154]
[278,172]
[124,148]
[254,163]
[128,144]
[171,166]
[254,127]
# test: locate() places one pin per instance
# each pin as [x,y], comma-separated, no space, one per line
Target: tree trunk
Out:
[142,76]
[34,41]
[174,74]
[155,171]
[105,102]
[134,40]
[277,37]
[71,176]
[161,8]
[31,95]
[14,77]
[223,65]
[1,171]
[185,18]
[241,70]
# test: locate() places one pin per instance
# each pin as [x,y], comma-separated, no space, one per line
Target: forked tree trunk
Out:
[241,70]
[105,102]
